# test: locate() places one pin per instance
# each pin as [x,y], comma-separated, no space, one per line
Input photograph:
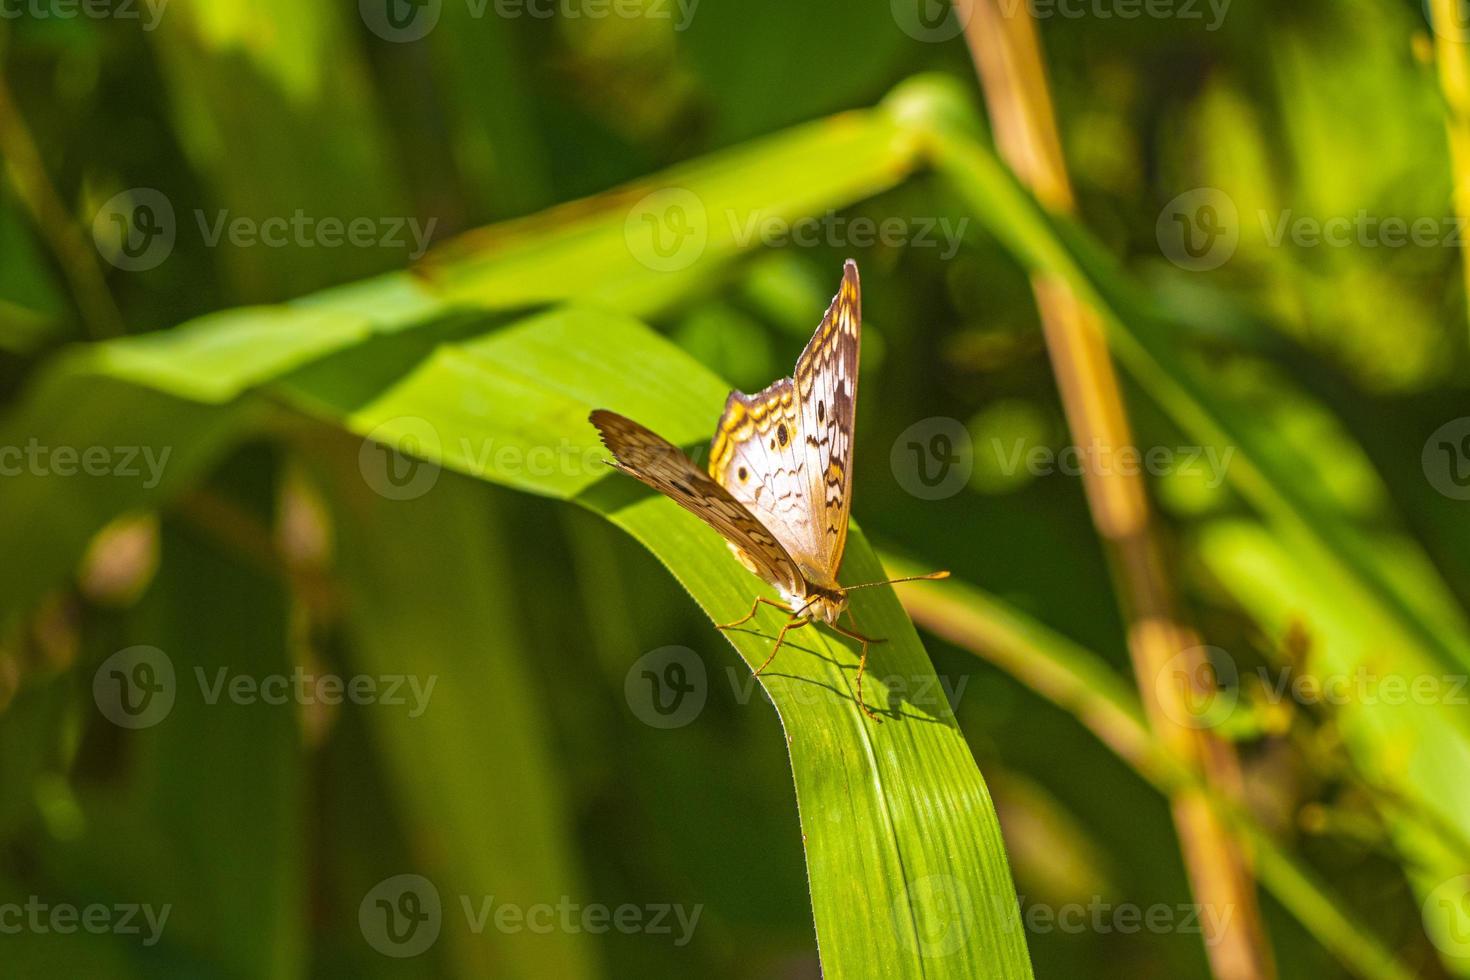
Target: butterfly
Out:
[779,485]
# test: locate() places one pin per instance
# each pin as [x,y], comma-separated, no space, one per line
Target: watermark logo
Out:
[1446,914]
[404,21]
[1201,687]
[135,687]
[933,458]
[396,458]
[668,229]
[935,915]
[1199,230]
[930,21]
[135,229]
[1455,27]
[667,687]
[401,916]
[1198,687]
[400,21]
[1446,459]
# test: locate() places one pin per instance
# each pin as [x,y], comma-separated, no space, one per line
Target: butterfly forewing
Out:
[786,453]
[649,457]
[826,390]
[757,456]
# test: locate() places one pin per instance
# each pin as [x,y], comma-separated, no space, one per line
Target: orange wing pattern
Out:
[649,457]
[786,452]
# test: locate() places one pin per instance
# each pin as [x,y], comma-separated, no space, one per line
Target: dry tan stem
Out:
[1007,56]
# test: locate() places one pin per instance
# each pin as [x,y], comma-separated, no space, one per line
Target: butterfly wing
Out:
[654,460]
[786,452]
[826,391]
[756,456]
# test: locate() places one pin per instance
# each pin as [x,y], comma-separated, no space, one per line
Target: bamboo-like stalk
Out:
[1452,58]
[1007,56]
[1082,684]
[77,259]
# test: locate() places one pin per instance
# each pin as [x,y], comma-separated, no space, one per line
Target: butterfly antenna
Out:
[931,577]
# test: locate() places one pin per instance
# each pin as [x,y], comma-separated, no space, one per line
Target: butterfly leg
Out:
[862,662]
[751,615]
[795,624]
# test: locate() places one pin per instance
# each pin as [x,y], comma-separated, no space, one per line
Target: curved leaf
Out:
[908,873]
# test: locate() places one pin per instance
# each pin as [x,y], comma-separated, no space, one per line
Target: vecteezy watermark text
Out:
[567,916]
[39,917]
[836,231]
[668,230]
[668,688]
[90,9]
[137,229]
[403,915]
[1201,229]
[126,462]
[934,458]
[1363,229]
[1183,10]
[137,687]
[1202,687]
[404,21]
[1103,917]
[307,688]
[1208,462]
[306,231]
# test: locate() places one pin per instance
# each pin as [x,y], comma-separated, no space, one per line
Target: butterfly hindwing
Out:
[654,460]
[756,455]
[786,453]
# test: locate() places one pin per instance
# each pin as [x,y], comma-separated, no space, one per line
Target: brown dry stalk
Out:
[1007,57]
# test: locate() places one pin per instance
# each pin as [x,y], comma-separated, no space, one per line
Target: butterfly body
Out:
[816,603]
[779,481]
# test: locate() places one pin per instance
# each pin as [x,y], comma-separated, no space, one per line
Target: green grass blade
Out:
[482,821]
[579,250]
[907,869]
[1082,683]
[643,245]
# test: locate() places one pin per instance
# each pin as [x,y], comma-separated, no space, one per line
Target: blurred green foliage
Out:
[1328,369]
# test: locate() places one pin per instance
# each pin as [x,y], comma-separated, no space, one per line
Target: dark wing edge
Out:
[651,459]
